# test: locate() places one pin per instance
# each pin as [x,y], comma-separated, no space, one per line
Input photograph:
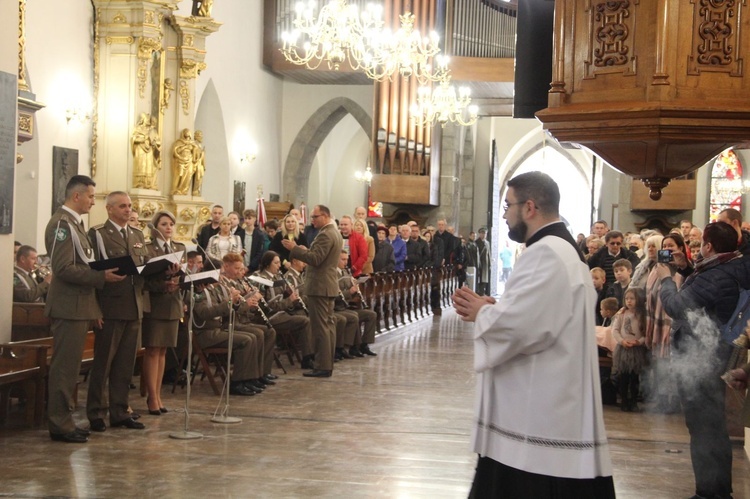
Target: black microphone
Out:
[168,243]
[205,255]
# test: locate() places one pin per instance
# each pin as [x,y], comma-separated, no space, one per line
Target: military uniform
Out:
[298,326]
[322,288]
[72,306]
[25,287]
[122,306]
[161,320]
[365,316]
[249,321]
[210,306]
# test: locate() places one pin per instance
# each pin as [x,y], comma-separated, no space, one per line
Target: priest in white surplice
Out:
[539,430]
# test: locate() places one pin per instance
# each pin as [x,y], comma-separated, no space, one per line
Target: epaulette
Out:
[135,228]
[97,227]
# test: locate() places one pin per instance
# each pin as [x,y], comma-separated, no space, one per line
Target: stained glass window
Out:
[726,184]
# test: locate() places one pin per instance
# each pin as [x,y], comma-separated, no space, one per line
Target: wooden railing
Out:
[400,298]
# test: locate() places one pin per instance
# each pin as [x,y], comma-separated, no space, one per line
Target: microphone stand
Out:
[186,434]
[223,417]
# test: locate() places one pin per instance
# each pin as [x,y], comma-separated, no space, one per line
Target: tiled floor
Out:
[396,425]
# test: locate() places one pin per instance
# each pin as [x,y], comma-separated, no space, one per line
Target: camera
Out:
[664,256]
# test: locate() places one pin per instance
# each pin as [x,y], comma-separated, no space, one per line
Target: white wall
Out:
[250,100]
[8,64]
[60,72]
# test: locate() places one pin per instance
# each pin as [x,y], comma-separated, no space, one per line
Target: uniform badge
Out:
[16,280]
[138,246]
[61,234]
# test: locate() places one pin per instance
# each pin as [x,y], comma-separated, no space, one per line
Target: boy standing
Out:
[623,270]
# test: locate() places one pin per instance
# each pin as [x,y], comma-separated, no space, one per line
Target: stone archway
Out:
[312,134]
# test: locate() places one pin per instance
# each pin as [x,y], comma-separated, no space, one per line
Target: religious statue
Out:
[145,146]
[202,8]
[168,89]
[183,163]
[199,162]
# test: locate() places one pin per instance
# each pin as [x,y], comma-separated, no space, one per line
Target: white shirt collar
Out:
[75,215]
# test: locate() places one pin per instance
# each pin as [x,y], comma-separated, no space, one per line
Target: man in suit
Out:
[321,285]
[122,306]
[25,288]
[71,303]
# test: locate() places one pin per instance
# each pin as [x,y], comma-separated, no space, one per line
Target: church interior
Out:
[117,90]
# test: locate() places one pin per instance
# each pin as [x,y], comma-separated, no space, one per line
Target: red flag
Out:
[303,212]
[261,212]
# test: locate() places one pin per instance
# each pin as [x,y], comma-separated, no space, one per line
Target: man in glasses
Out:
[612,251]
[538,428]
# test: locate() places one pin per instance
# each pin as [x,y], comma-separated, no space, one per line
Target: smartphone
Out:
[664,256]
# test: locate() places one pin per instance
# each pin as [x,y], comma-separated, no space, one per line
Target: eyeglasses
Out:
[614,243]
[506,206]
[314,216]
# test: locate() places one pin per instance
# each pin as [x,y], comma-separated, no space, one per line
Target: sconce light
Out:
[365,176]
[248,155]
[78,114]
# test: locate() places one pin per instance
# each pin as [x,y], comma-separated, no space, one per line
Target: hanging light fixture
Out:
[405,53]
[444,104]
[340,33]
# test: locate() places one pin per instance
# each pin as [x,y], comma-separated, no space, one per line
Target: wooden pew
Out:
[28,322]
[24,367]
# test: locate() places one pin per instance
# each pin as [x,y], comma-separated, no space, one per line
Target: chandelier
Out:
[338,34]
[404,53]
[443,104]
[342,33]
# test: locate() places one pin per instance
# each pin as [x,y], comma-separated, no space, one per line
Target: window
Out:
[726,184]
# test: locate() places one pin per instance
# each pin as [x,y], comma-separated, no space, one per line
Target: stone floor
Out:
[396,425]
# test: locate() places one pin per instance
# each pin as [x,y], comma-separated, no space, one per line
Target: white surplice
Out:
[539,403]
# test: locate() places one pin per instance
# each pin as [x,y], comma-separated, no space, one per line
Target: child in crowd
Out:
[599,277]
[606,345]
[629,331]
[623,270]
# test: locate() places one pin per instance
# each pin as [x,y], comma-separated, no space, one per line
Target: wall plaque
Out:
[64,166]
[8,133]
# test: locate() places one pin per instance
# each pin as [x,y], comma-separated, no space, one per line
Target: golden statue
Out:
[145,146]
[183,166]
[199,163]
[202,8]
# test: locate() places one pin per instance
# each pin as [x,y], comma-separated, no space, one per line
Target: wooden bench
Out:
[24,367]
[29,322]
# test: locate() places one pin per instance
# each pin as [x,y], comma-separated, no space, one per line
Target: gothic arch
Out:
[312,134]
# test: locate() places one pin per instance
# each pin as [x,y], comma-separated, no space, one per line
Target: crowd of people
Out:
[663,300]
[283,285]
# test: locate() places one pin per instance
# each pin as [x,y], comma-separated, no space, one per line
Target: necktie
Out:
[124,234]
[166,248]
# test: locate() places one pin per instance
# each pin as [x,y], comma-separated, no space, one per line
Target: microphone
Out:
[163,237]
[205,255]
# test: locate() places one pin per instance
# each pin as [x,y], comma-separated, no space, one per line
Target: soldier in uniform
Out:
[349,287]
[162,321]
[250,320]
[71,303]
[122,306]
[26,289]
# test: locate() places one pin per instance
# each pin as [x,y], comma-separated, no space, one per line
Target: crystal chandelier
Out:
[404,53]
[339,33]
[443,104]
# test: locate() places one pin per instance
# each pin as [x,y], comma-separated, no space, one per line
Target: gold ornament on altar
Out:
[199,162]
[202,8]
[168,89]
[145,145]
[187,214]
[204,214]
[183,163]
